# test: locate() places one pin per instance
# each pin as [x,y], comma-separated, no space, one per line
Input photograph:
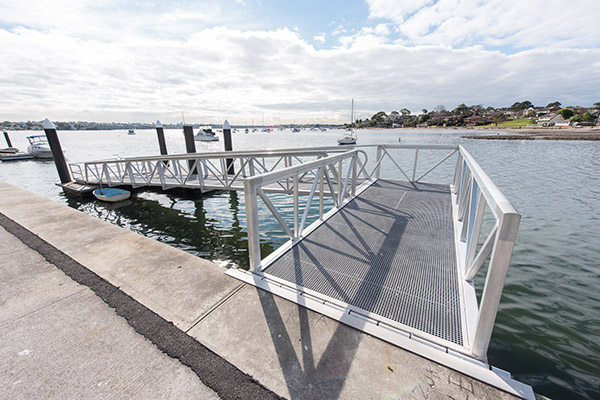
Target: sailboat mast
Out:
[352,114]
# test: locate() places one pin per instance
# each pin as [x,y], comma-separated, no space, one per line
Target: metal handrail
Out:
[346,189]
[473,190]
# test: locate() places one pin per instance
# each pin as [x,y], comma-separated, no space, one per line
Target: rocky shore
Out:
[532,133]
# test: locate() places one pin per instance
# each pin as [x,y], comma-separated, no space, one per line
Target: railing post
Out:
[252,228]
[494,283]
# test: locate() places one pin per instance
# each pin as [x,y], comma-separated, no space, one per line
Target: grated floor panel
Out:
[390,252]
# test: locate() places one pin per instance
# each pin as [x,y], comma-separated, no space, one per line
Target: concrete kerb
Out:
[215,372]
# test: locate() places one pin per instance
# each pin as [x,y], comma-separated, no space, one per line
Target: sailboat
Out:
[350,137]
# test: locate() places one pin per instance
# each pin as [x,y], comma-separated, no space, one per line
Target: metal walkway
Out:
[396,257]
[389,251]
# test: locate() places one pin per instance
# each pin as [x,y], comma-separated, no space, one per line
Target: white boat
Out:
[111,195]
[246,131]
[131,132]
[349,138]
[39,147]
[206,134]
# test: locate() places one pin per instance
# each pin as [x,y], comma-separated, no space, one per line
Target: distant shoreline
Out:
[526,133]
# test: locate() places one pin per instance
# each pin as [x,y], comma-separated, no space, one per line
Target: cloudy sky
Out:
[290,61]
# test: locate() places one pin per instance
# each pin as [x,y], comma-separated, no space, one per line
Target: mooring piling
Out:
[161,138]
[8,143]
[57,153]
[190,144]
[228,146]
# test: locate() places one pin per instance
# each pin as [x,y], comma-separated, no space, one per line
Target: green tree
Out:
[597,105]
[462,110]
[498,117]
[518,106]
[553,104]
[405,111]
[566,113]
[585,117]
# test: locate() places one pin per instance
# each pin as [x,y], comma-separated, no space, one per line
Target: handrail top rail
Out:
[267,152]
[498,203]
[274,176]
[223,154]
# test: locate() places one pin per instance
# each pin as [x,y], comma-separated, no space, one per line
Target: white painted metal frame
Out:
[341,184]
[205,171]
[472,191]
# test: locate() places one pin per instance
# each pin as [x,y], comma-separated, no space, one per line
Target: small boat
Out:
[246,131]
[296,130]
[111,195]
[349,138]
[39,147]
[206,134]
[131,132]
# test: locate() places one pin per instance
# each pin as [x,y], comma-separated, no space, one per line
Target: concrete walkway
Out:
[59,340]
[237,330]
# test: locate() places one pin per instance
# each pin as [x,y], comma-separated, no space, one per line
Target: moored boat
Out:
[111,195]
[206,134]
[39,147]
[349,138]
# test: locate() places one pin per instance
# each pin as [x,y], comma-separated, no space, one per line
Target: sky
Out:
[272,62]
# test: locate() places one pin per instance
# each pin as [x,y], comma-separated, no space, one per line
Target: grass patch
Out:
[514,122]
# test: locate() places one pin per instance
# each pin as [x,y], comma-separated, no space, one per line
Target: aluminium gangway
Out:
[396,258]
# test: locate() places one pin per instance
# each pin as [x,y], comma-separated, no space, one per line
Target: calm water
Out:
[548,327]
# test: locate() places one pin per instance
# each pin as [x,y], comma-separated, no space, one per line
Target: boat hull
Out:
[204,138]
[111,195]
[40,152]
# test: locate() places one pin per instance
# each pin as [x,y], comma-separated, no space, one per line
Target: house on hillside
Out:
[552,120]
[476,120]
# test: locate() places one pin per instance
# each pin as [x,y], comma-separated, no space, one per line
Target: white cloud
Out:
[320,37]
[494,23]
[216,73]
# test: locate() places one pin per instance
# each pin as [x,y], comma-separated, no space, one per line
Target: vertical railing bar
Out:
[295,206]
[252,228]
[321,195]
[494,283]
[475,226]
[377,168]
[415,165]
[468,210]
[340,194]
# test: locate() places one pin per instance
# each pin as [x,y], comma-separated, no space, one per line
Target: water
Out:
[547,329]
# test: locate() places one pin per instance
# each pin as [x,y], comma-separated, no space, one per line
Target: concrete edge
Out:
[221,376]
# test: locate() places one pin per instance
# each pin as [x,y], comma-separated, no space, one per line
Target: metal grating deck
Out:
[390,251]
